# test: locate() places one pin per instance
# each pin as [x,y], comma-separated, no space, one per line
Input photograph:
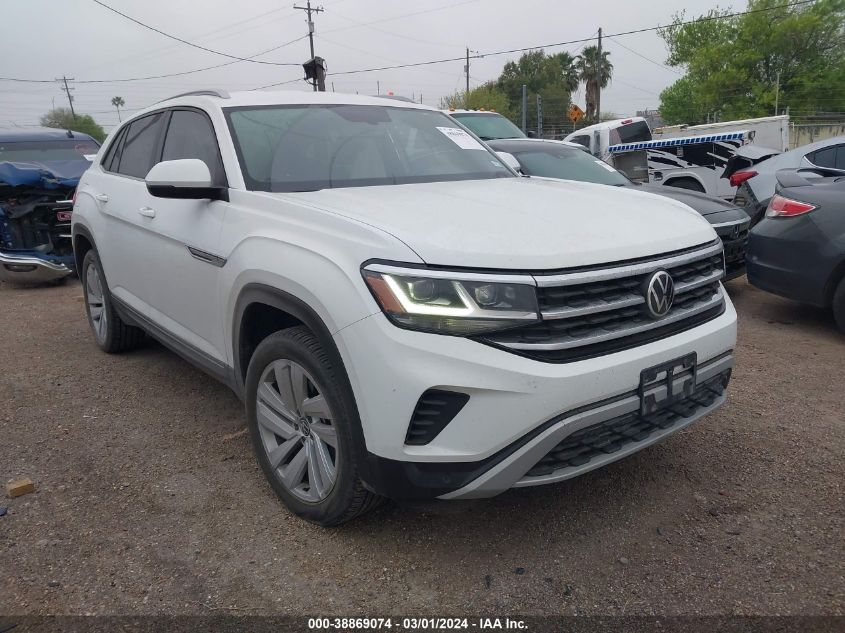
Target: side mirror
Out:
[531,134]
[510,160]
[186,179]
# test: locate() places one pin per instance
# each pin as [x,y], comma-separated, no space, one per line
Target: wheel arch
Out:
[258,301]
[833,281]
[687,176]
[83,242]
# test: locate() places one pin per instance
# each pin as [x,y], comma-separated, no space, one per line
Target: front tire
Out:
[110,332]
[300,425]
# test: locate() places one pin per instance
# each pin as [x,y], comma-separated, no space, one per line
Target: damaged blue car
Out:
[39,171]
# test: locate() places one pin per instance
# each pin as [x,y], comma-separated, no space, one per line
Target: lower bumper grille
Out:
[735,248]
[615,434]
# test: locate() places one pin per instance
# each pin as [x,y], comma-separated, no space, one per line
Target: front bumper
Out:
[23,268]
[517,405]
[734,236]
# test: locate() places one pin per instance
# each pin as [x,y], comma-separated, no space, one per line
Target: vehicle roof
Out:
[608,124]
[527,143]
[479,112]
[793,157]
[285,97]
[9,135]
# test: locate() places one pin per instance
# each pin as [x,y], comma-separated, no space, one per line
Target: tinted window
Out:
[568,163]
[41,151]
[191,135]
[489,127]
[829,157]
[310,147]
[136,155]
[112,157]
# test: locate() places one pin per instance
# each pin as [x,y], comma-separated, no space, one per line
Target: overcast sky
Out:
[43,39]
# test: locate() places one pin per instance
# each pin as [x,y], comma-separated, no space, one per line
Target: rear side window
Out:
[833,157]
[581,140]
[112,157]
[191,135]
[139,145]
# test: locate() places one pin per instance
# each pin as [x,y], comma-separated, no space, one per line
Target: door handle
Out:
[101,197]
[147,212]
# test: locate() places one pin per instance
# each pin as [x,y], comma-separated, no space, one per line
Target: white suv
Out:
[402,314]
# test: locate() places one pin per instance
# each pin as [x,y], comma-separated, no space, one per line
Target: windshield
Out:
[550,160]
[311,147]
[45,151]
[488,126]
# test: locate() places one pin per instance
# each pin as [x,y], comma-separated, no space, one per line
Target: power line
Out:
[179,39]
[648,59]
[409,65]
[567,43]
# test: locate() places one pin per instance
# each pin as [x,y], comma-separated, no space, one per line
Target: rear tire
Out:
[839,305]
[686,183]
[300,422]
[110,332]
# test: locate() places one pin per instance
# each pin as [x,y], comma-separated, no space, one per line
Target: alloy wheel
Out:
[94,295]
[297,431]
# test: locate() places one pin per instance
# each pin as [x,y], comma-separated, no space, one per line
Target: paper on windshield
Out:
[461,138]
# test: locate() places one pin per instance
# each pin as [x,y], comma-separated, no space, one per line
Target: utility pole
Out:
[777,92]
[67,90]
[309,11]
[539,117]
[598,84]
[524,107]
[466,70]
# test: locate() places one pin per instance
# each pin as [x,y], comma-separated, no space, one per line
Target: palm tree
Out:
[118,103]
[595,70]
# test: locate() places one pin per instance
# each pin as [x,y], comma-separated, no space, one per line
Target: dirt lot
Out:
[149,500]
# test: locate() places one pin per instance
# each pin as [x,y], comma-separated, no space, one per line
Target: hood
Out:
[43,175]
[701,202]
[518,223]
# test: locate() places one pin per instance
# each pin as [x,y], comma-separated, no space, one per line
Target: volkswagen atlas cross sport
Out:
[402,314]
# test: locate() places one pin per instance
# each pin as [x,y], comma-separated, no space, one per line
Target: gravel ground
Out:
[149,500]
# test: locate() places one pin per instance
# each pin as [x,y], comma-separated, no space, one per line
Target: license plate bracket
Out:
[665,384]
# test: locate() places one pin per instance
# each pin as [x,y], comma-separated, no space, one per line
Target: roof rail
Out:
[212,92]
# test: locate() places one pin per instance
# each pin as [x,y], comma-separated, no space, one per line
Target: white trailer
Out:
[770,131]
[691,162]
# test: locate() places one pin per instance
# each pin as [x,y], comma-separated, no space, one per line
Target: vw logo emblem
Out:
[659,291]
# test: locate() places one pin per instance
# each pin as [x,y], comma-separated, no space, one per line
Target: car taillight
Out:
[784,207]
[73,197]
[740,177]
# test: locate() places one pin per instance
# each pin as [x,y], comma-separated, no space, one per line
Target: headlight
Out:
[449,302]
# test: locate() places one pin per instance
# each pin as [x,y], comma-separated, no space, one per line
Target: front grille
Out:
[599,311]
[610,436]
[434,410]
[735,247]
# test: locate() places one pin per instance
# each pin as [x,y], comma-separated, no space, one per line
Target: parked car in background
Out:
[798,249]
[402,314]
[756,184]
[572,161]
[696,162]
[39,170]
[486,125]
